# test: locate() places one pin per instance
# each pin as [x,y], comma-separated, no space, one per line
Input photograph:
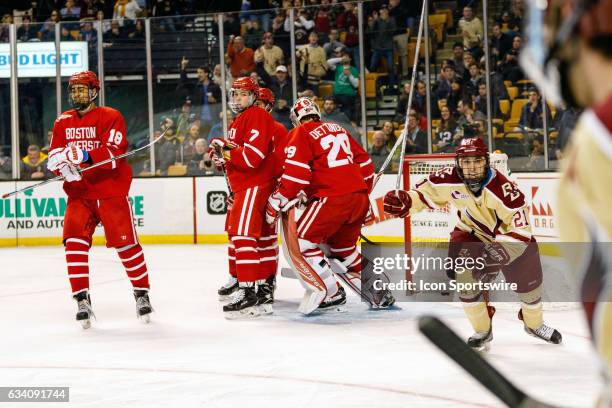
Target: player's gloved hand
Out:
[75,155]
[397,203]
[278,203]
[219,151]
[70,173]
[55,160]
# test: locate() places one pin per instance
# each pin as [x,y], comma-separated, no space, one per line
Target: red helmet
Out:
[266,96]
[473,146]
[243,84]
[88,78]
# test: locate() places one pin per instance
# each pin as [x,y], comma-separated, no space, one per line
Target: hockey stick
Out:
[219,153]
[455,348]
[57,178]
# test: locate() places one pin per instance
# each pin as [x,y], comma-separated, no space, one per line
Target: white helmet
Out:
[303,107]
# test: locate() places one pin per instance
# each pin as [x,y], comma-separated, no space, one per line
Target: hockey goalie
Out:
[493,225]
[326,165]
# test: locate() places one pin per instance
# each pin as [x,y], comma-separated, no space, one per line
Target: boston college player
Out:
[83,136]
[335,173]
[250,164]
[491,211]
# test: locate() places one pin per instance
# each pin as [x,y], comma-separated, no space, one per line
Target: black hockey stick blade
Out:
[455,348]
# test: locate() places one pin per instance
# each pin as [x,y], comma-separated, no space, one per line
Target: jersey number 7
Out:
[337,142]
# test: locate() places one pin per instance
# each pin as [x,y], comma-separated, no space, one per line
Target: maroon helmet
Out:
[475,172]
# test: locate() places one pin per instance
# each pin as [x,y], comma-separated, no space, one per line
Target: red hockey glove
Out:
[397,203]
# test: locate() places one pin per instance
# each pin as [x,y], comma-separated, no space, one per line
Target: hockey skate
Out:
[244,303]
[335,302]
[480,341]
[143,305]
[225,292]
[85,312]
[544,332]
[265,295]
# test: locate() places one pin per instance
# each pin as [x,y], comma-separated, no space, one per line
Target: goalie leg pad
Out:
[314,256]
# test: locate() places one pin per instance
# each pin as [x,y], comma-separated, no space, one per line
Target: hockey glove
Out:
[277,203]
[75,155]
[70,173]
[219,151]
[397,203]
[55,160]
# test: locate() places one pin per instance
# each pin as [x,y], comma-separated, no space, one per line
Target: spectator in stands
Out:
[26,31]
[34,164]
[65,34]
[509,67]
[138,33]
[88,33]
[106,25]
[351,41]
[188,147]
[402,103]
[446,137]
[239,58]
[474,80]
[456,94]
[304,25]
[46,7]
[71,12]
[536,157]
[517,12]
[480,102]
[6,166]
[90,8]
[467,114]
[168,9]
[458,59]
[203,94]
[347,18]
[381,29]
[313,64]
[322,23]
[416,139]
[331,114]
[253,35]
[167,150]
[443,87]
[126,11]
[231,25]
[501,43]
[389,132]
[200,163]
[7,20]
[471,29]
[116,33]
[400,37]
[280,86]
[47,31]
[183,120]
[532,113]
[379,150]
[270,54]
[333,43]
[346,82]
[468,59]
[217,128]
[565,124]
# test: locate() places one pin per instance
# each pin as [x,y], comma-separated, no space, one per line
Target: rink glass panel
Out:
[5,115]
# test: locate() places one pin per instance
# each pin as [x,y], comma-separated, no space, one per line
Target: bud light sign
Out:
[37,59]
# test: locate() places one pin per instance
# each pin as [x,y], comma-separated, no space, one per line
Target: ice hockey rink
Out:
[190,356]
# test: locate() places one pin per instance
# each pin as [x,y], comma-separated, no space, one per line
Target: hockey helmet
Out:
[472,161]
[243,84]
[88,79]
[302,108]
[266,96]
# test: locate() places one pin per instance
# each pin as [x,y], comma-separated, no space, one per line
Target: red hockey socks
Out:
[247,258]
[77,259]
[267,247]
[231,258]
[133,260]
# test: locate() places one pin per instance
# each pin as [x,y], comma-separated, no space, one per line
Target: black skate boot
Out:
[85,313]
[143,305]
[544,332]
[225,292]
[334,302]
[244,302]
[265,295]
[479,341]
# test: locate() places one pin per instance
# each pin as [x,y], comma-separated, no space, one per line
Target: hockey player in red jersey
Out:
[493,225]
[83,136]
[247,155]
[325,164]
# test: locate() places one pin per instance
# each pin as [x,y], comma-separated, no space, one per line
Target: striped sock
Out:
[231,258]
[77,259]
[247,258]
[133,260]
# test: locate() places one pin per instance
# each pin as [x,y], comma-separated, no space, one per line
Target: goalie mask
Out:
[243,94]
[472,160]
[83,88]
[303,108]
[552,28]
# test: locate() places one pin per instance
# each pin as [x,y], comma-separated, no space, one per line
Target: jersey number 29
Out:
[337,142]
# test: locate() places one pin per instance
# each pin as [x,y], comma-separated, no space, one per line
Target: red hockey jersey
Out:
[102,133]
[280,142]
[252,162]
[323,160]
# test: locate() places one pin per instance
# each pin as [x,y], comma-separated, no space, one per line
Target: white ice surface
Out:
[190,356]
